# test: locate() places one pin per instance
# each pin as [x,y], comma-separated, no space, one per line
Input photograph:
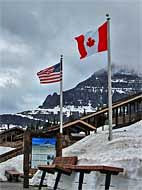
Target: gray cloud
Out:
[33,34]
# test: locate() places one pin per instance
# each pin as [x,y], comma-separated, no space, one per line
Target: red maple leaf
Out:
[90,42]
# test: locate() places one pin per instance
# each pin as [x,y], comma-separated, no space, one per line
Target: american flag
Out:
[51,74]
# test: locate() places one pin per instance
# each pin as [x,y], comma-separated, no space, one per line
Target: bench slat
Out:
[46,167]
[59,162]
[58,165]
[12,174]
[100,168]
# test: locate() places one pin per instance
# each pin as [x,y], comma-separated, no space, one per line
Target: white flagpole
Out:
[109,79]
[61,96]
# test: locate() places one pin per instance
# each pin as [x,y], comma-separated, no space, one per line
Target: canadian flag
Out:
[92,42]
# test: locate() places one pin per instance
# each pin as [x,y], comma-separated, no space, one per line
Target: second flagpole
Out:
[61,95]
[60,137]
[109,79]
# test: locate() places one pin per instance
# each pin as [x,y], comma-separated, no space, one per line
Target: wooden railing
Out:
[11,154]
[16,144]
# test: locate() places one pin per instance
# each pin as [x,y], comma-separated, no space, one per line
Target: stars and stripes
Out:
[51,74]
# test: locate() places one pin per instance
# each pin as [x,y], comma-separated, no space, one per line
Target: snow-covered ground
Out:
[4,127]
[13,163]
[4,149]
[125,150]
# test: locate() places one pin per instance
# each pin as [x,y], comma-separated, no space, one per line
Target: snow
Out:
[120,91]
[125,150]
[36,111]
[4,127]
[28,116]
[5,149]
[68,109]
[119,80]
[14,163]
[126,145]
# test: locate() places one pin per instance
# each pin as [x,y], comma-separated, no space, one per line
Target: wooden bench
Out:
[59,165]
[12,175]
[108,170]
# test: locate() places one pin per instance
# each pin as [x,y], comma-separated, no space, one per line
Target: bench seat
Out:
[108,170]
[47,168]
[101,168]
[12,175]
[65,165]
[58,166]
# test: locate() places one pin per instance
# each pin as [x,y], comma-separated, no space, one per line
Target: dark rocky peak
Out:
[94,89]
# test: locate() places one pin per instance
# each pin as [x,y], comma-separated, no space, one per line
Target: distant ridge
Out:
[87,96]
[94,89]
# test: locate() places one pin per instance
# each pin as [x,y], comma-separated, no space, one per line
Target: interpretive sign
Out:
[43,151]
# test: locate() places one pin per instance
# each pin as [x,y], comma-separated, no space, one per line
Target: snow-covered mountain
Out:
[86,97]
[93,91]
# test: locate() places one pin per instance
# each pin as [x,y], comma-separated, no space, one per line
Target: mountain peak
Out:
[94,89]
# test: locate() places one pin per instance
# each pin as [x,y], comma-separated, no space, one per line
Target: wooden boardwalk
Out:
[125,112]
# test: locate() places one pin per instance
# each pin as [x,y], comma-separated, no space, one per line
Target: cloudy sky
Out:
[34,33]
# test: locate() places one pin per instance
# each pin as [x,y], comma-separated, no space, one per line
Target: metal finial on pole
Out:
[109,78]
[107,16]
[61,57]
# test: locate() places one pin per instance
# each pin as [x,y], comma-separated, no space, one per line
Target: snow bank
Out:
[14,163]
[125,150]
[4,149]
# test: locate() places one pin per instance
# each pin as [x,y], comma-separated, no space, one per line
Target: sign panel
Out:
[43,151]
